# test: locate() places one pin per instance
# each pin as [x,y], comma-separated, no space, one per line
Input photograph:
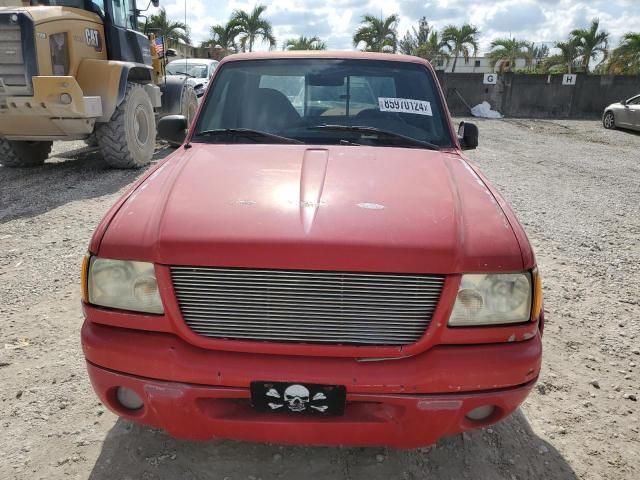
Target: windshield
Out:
[324,101]
[197,70]
[59,3]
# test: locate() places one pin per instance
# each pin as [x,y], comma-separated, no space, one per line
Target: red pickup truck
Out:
[318,263]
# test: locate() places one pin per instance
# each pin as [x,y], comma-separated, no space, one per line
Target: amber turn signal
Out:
[84,278]
[536,307]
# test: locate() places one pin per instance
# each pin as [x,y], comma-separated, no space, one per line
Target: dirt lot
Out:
[575,186]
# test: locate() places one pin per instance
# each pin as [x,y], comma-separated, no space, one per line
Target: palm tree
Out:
[505,52]
[566,60]
[413,40]
[591,42]
[537,54]
[434,50]
[625,59]
[173,32]
[461,41]
[305,43]
[251,27]
[377,34]
[224,36]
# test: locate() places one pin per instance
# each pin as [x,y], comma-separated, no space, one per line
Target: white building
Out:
[476,65]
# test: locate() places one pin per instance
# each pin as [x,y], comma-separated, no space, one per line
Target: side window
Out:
[635,101]
[123,13]
[361,92]
[98,6]
[292,87]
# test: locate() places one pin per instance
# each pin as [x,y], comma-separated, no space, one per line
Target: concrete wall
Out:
[537,96]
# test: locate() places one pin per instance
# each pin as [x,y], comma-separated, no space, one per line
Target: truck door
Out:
[124,42]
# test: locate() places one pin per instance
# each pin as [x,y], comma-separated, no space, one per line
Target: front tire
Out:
[609,121]
[129,139]
[23,154]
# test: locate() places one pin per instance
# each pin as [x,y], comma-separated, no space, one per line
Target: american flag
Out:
[159,46]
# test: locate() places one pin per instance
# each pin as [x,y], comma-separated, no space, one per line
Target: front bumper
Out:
[195,393]
[197,412]
[43,116]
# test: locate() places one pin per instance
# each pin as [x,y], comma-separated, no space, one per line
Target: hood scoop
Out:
[313,173]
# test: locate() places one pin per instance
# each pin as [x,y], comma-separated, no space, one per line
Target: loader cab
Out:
[120,17]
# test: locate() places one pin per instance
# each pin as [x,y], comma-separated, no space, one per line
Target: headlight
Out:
[123,284]
[492,299]
[59,53]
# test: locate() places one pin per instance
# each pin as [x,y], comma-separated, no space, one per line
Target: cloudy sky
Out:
[335,20]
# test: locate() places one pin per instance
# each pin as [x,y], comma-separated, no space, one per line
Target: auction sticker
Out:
[405,105]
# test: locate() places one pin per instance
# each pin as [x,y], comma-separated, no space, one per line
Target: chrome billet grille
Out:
[306,306]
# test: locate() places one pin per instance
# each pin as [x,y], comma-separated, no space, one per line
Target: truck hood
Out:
[326,208]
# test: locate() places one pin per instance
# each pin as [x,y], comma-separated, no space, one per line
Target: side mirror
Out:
[171,53]
[468,135]
[623,102]
[173,129]
[155,3]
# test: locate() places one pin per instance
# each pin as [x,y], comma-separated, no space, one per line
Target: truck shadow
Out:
[506,451]
[68,176]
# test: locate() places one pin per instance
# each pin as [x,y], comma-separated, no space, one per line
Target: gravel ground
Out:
[575,186]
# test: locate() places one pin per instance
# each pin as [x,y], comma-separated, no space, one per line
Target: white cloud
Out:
[335,21]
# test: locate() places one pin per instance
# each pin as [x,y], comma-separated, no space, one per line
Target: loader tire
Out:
[128,140]
[23,154]
[188,107]
[91,140]
[189,103]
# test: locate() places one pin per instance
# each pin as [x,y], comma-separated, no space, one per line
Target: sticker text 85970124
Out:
[405,105]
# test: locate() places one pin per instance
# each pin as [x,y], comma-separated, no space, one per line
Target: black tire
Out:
[23,154]
[609,121]
[91,140]
[129,139]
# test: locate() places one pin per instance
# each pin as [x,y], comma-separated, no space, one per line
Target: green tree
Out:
[224,36]
[434,50]
[505,51]
[625,59]
[305,43]
[537,55]
[413,39]
[566,61]
[461,41]
[377,34]
[252,26]
[173,32]
[591,42]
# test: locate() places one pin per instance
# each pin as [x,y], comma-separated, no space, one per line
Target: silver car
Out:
[198,69]
[624,114]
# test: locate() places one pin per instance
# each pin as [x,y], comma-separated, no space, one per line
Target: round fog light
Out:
[128,398]
[481,413]
[65,99]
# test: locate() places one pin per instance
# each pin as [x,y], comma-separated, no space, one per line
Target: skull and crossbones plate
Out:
[298,398]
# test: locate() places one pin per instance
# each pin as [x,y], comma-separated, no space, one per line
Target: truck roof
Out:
[329,54]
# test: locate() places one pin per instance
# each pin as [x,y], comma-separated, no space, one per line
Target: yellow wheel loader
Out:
[80,69]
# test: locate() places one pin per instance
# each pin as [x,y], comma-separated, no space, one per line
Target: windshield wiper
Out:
[402,139]
[244,132]
[182,73]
